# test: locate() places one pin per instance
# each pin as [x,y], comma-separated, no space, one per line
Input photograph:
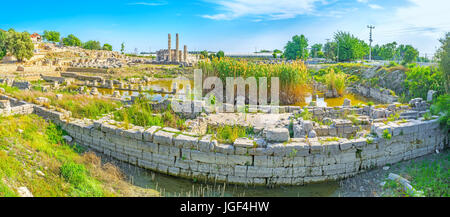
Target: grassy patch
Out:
[81,106]
[28,144]
[429,176]
[228,134]
[141,113]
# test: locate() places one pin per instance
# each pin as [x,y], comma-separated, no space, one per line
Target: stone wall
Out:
[370,92]
[299,161]
[294,162]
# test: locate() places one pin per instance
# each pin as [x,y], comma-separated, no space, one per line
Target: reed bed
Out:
[294,77]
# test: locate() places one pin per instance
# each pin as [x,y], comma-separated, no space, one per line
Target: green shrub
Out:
[386,134]
[442,107]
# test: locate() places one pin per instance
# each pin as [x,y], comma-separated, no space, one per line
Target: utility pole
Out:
[370,41]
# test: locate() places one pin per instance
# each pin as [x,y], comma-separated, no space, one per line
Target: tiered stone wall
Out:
[295,162]
[370,92]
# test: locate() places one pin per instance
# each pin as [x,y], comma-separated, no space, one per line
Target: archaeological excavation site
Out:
[343,118]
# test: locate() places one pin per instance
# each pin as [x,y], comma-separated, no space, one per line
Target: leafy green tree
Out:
[107,47]
[330,50]
[387,51]
[3,44]
[443,56]
[204,54]
[315,50]
[410,54]
[71,40]
[350,47]
[52,36]
[20,45]
[297,48]
[220,54]
[92,45]
[276,52]
[122,48]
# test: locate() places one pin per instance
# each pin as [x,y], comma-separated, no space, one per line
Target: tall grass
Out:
[68,171]
[141,113]
[81,106]
[294,77]
[333,78]
[228,134]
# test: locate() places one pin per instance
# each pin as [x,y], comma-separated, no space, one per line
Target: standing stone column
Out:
[169,49]
[185,54]
[177,55]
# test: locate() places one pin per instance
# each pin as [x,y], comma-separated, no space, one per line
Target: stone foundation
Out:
[294,162]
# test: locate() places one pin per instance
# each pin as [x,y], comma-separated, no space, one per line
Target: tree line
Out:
[72,40]
[347,47]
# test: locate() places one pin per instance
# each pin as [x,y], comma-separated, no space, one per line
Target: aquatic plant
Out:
[294,77]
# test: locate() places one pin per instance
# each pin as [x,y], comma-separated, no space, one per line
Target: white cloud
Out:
[270,9]
[375,6]
[157,3]
[363,1]
[420,23]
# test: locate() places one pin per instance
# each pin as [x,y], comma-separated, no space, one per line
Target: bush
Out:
[420,79]
[386,134]
[442,107]
[228,134]
[74,173]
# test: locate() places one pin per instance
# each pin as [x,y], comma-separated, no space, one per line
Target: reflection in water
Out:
[173,186]
[167,85]
[321,101]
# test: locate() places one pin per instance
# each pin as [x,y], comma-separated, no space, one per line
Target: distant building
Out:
[36,37]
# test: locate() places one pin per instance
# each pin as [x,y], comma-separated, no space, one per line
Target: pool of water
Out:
[308,96]
[172,186]
[321,101]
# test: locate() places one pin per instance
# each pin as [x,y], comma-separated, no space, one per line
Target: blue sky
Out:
[232,25]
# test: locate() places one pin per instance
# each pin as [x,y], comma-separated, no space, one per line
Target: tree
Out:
[92,45]
[122,48]
[220,54]
[107,47]
[3,44]
[71,40]
[443,57]
[410,54]
[387,51]
[52,36]
[350,47]
[276,52]
[19,44]
[204,54]
[297,48]
[315,50]
[330,50]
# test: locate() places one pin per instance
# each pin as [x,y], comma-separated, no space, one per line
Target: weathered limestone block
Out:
[277,134]
[224,148]
[256,171]
[148,133]
[204,157]
[163,138]
[206,143]
[239,160]
[243,143]
[347,102]
[5,104]
[184,141]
